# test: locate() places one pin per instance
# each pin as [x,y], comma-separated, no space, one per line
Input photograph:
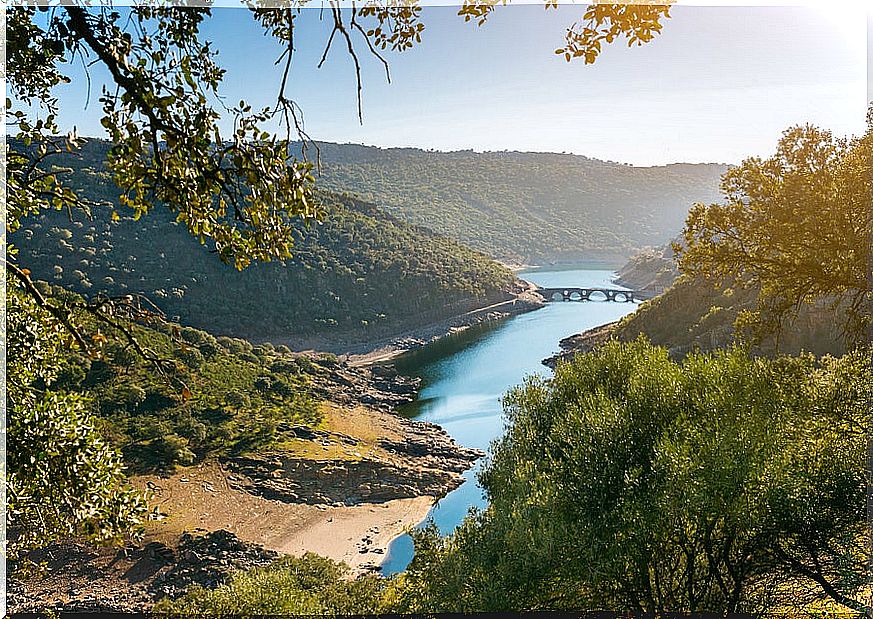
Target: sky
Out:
[720,83]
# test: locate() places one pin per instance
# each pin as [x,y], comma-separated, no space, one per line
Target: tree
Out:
[633,482]
[240,192]
[796,225]
[63,479]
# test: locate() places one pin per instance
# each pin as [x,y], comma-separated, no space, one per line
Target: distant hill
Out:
[525,207]
[361,272]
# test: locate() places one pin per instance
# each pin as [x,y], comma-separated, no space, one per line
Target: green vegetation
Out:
[359,271]
[781,264]
[207,396]
[63,478]
[724,482]
[310,585]
[796,226]
[629,481]
[693,314]
[633,482]
[243,193]
[527,207]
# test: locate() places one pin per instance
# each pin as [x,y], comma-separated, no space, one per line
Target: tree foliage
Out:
[62,477]
[630,481]
[292,586]
[796,226]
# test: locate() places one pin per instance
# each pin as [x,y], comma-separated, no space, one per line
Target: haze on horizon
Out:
[720,84]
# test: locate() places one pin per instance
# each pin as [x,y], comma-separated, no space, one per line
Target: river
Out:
[465,375]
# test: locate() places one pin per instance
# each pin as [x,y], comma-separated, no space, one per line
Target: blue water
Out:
[465,376]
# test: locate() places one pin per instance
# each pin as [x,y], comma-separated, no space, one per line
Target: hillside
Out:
[525,207]
[652,270]
[693,314]
[361,273]
[253,446]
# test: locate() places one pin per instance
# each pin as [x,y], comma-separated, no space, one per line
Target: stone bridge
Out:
[589,294]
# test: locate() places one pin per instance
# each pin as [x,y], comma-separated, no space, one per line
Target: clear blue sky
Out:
[718,85]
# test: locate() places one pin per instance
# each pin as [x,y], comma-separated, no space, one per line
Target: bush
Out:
[209,349]
[225,342]
[72,372]
[191,357]
[195,337]
[173,449]
[123,397]
[191,429]
[292,586]
[281,387]
[285,366]
[261,352]
[99,372]
[236,400]
[123,356]
[263,383]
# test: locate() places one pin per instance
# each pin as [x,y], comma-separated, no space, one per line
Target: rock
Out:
[210,560]
[158,551]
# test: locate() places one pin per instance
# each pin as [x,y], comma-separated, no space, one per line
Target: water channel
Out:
[465,375]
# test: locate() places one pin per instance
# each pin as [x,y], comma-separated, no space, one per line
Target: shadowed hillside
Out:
[360,272]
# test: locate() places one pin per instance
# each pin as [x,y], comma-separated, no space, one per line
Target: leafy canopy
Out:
[630,481]
[796,225]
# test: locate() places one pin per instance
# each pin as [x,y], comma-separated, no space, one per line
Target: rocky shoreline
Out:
[79,578]
[344,489]
[523,299]
[423,461]
[580,343]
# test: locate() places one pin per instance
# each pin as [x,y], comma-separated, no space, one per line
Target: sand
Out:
[199,499]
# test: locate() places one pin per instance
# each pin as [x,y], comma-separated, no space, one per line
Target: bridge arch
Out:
[599,295]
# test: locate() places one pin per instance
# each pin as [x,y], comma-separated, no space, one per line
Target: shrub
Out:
[191,357]
[281,387]
[173,449]
[285,366]
[263,383]
[99,372]
[209,349]
[236,400]
[124,397]
[292,586]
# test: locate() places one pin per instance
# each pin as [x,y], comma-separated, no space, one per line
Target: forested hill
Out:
[361,273]
[529,207]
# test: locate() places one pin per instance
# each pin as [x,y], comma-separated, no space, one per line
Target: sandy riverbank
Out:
[201,499]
